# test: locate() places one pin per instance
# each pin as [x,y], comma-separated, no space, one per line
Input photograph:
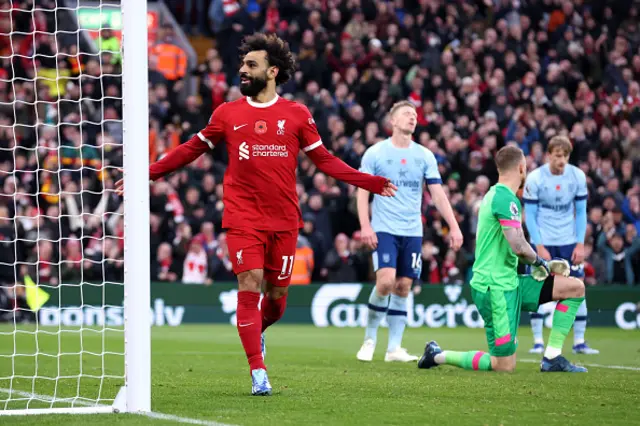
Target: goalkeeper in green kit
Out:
[500,294]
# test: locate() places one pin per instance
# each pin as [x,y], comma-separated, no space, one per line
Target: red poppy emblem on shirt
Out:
[403,161]
[557,187]
[260,127]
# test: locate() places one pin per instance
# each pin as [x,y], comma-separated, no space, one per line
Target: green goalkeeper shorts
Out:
[501,310]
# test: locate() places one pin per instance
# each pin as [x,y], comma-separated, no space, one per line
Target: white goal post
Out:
[93,356]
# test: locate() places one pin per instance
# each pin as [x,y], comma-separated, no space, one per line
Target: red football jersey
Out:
[263,142]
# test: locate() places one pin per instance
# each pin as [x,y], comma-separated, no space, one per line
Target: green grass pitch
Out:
[200,372]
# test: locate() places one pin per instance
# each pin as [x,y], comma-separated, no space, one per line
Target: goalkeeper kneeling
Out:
[500,294]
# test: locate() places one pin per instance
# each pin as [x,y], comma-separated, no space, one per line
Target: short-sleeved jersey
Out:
[408,168]
[263,142]
[556,196]
[496,264]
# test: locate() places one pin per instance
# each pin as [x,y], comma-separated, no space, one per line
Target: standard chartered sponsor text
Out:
[271,150]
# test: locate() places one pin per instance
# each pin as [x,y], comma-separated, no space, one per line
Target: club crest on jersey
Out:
[260,127]
[239,257]
[386,257]
[280,131]
[513,209]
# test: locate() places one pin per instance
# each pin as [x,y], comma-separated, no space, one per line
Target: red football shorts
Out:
[269,250]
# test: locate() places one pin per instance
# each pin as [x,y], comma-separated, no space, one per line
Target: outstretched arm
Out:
[311,143]
[184,154]
[199,143]
[336,168]
[178,157]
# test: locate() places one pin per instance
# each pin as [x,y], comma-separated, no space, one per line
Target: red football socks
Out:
[272,310]
[250,327]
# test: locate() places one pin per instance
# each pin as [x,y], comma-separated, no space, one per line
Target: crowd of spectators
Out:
[481,74]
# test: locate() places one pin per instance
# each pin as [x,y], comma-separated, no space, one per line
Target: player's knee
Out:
[385,283]
[570,287]
[276,293]
[506,368]
[578,288]
[402,287]
[503,364]
[250,280]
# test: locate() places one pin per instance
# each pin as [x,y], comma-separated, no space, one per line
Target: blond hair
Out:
[560,142]
[399,105]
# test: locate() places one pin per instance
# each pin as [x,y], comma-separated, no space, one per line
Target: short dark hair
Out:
[508,158]
[278,53]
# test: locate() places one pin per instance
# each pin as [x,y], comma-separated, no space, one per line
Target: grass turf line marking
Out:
[151,415]
[610,367]
[47,398]
[161,416]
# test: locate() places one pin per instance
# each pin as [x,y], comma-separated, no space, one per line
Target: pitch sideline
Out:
[152,414]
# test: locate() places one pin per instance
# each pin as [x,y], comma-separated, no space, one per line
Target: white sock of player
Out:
[397,319]
[551,352]
[580,324]
[537,324]
[377,310]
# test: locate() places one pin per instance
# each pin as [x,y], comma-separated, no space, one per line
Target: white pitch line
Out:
[610,367]
[151,415]
[47,398]
[187,420]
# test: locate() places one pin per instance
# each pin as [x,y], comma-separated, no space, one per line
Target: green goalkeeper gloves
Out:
[542,268]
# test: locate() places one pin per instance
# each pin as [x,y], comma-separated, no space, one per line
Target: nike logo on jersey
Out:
[281,277]
[245,325]
[238,127]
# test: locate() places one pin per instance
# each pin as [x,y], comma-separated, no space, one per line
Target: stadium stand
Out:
[482,74]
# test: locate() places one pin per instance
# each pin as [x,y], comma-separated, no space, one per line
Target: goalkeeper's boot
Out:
[560,364]
[538,348]
[366,351]
[399,355]
[428,357]
[263,346]
[261,385]
[585,349]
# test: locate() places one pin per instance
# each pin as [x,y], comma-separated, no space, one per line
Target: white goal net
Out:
[62,226]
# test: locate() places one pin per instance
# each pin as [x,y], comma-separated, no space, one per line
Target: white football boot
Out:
[366,351]
[399,355]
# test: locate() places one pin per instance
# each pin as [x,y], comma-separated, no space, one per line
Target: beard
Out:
[254,86]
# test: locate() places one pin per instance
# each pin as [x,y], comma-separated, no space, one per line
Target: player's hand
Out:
[540,270]
[543,252]
[369,237]
[560,267]
[577,257]
[455,239]
[389,189]
[119,186]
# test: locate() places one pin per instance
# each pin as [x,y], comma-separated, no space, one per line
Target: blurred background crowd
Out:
[481,73]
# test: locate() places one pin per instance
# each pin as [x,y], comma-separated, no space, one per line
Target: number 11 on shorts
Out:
[287,267]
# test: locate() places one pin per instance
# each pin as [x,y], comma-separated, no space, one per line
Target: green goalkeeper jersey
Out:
[496,265]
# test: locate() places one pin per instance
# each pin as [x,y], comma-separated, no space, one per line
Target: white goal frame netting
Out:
[74,255]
